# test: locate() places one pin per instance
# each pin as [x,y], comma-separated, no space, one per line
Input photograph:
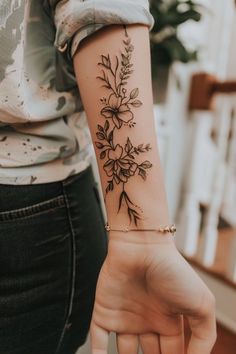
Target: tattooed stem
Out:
[106,80]
[115,74]
[132,213]
[126,33]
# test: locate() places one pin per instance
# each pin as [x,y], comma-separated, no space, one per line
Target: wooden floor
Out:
[226,340]
[218,269]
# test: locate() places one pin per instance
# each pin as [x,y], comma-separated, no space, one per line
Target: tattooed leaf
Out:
[100,136]
[116,178]
[133,214]
[130,215]
[125,60]
[141,149]
[127,42]
[110,137]
[136,103]
[101,78]
[142,173]
[134,93]
[117,63]
[103,154]
[100,128]
[128,145]
[146,164]
[99,145]
[106,61]
[126,173]
[136,218]
[122,195]
[127,197]
[130,48]
[106,126]
[110,186]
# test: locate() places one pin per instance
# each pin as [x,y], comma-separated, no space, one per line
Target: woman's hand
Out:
[143,291]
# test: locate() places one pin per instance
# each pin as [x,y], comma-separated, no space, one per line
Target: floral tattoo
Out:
[120,161]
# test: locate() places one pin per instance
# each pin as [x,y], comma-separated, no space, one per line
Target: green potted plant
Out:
[166,46]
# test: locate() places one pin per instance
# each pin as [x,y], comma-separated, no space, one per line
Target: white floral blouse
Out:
[44,135]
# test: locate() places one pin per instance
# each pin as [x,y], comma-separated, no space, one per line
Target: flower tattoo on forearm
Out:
[118,108]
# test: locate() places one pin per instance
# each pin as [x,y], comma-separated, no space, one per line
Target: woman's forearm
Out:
[114,77]
[143,291]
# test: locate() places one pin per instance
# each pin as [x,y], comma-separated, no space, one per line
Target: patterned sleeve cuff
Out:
[83,33]
[76,20]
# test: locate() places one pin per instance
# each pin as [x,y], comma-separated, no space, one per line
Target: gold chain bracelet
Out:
[165,229]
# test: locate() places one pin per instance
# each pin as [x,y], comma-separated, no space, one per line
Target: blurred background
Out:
[193,47]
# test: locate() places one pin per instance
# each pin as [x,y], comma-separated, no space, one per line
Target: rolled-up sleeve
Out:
[77,19]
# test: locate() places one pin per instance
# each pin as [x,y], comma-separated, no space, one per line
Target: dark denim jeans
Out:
[52,246]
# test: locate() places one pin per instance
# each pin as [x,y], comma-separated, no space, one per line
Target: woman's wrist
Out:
[133,251]
[144,238]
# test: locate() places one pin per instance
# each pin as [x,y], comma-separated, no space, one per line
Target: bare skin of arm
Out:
[145,286]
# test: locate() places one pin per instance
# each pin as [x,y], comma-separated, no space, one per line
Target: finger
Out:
[203,328]
[172,344]
[99,339]
[127,343]
[150,343]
